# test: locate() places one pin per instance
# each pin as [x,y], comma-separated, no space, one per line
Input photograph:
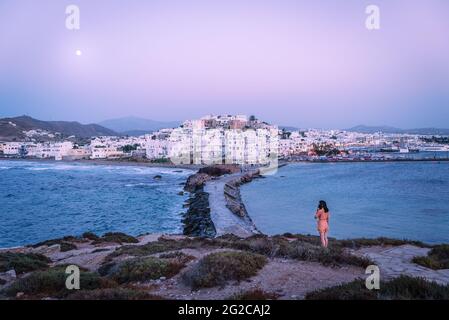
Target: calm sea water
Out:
[44,200]
[400,200]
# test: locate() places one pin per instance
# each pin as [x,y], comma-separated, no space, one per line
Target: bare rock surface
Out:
[396,261]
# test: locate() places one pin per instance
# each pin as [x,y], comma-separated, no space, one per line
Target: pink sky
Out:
[302,63]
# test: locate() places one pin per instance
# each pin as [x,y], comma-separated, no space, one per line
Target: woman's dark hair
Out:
[322,205]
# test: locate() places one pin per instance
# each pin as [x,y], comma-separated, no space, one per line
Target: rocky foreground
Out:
[117,266]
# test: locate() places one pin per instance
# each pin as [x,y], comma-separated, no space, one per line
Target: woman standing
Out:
[322,215]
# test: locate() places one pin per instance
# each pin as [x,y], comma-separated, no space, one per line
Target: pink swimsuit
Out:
[323,221]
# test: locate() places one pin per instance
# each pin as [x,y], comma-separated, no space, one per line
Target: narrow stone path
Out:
[396,261]
[224,220]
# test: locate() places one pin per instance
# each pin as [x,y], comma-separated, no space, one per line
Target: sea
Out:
[404,200]
[46,200]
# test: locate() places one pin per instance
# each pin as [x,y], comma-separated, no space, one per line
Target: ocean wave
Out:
[59,167]
[133,170]
[36,168]
[141,184]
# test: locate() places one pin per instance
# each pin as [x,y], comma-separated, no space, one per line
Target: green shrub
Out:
[254,294]
[51,282]
[217,268]
[427,262]
[115,237]
[177,256]
[409,288]
[437,258]
[355,290]
[66,243]
[356,242]
[141,269]
[147,249]
[90,236]
[162,245]
[401,288]
[381,241]
[67,246]
[113,294]
[22,262]
[302,248]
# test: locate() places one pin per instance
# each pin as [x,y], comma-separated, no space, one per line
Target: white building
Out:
[157,149]
[56,150]
[105,152]
[223,139]
[11,148]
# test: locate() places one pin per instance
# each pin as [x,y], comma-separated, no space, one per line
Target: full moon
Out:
[78,52]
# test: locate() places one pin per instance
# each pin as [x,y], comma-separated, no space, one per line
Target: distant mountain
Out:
[387,129]
[12,128]
[137,126]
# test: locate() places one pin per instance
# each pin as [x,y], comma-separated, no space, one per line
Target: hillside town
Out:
[230,139]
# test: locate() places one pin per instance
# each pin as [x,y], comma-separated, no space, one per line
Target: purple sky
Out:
[303,63]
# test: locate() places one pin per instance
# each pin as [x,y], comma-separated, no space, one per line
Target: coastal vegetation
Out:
[51,282]
[66,243]
[401,288]
[22,262]
[306,248]
[147,268]
[358,242]
[139,271]
[254,294]
[116,237]
[437,258]
[218,268]
[130,293]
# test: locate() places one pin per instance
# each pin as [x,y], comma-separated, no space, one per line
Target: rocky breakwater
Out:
[197,220]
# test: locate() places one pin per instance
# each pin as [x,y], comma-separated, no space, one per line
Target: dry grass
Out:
[113,294]
[437,258]
[401,288]
[255,294]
